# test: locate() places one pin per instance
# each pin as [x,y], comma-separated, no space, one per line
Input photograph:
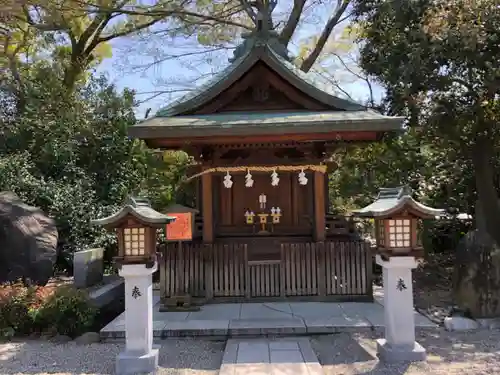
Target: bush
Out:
[67,311]
[15,300]
[443,236]
[62,310]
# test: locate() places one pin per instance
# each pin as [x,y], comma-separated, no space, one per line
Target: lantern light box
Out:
[136,224]
[397,217]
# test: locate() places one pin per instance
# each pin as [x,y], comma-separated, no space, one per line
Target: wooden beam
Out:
[270,138]
[319,207]
[207,207]
[261,163]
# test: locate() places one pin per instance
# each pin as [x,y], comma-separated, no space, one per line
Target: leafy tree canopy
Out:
[438,62]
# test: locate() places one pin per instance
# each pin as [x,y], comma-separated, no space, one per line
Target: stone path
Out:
[270,357]
[273,318]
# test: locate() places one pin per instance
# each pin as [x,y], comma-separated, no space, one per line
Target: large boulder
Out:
[28,241]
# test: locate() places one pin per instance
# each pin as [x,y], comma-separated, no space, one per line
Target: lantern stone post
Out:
[397,217]
[136,225]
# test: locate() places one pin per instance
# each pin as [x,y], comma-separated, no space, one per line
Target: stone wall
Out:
[88,267]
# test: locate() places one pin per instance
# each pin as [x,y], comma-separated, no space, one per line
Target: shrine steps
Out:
[274,319]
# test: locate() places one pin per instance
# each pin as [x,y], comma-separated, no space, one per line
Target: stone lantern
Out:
[136,225]
[397,217]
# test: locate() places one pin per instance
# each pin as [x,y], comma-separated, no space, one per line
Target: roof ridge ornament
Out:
[395,192]
[263,34]
[136,201]
[263,18]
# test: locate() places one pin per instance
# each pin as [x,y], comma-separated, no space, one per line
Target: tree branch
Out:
[249,10]
[155,94]
[218,18]
[337,85]
[38,26]
[100,21]
[364,78]
[125,32]
[330,25]
[292,22]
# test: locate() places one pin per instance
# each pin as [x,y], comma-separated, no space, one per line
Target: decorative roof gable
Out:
[212,109]
[140,209]
[393,201]
[258,51]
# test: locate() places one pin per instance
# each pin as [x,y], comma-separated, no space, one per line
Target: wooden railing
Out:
[305,270]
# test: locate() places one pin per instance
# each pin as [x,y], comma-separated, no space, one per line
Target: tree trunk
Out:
[482,159]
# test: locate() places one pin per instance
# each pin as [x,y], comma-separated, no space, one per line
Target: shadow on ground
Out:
[448,352]
[38,357]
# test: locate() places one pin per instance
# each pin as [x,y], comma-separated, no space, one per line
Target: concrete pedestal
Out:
[399,343]
[139,356]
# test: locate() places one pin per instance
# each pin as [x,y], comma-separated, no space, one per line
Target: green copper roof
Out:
[264,123]
[262,45]
[259,50]
[141,209]
[391,201]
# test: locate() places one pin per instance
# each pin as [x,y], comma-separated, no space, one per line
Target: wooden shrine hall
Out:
[261,134]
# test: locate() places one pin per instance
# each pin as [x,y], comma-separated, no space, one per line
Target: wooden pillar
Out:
[208,256]
[207,207]
[163,268]
[327,191]
[197,189]
[319,207]
[321,268]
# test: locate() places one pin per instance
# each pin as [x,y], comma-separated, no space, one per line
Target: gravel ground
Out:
[187,357]
[449,353]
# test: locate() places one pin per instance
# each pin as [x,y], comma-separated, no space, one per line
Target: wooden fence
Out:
[222,271]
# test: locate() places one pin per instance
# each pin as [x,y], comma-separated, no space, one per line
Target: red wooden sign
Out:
[182,228]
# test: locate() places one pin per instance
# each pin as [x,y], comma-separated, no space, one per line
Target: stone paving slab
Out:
[270,357]
[226,311]
[265,319]
[336,324]
[241,327]
[190,328]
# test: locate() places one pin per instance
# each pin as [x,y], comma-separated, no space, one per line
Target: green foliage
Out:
[15,301]
[67,311]
[78,34]
[71,156]
[444,236]
[437,62]
[25,310]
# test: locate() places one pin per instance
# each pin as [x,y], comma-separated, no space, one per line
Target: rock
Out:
[88,338]
[476,281]
[28,242]
[489,323]
[459,323]
[88,267]
[60,339]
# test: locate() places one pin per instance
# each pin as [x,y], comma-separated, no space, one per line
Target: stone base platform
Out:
[265,319]
[131,364]
[390,354]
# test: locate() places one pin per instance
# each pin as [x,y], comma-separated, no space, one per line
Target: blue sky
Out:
[171,75]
